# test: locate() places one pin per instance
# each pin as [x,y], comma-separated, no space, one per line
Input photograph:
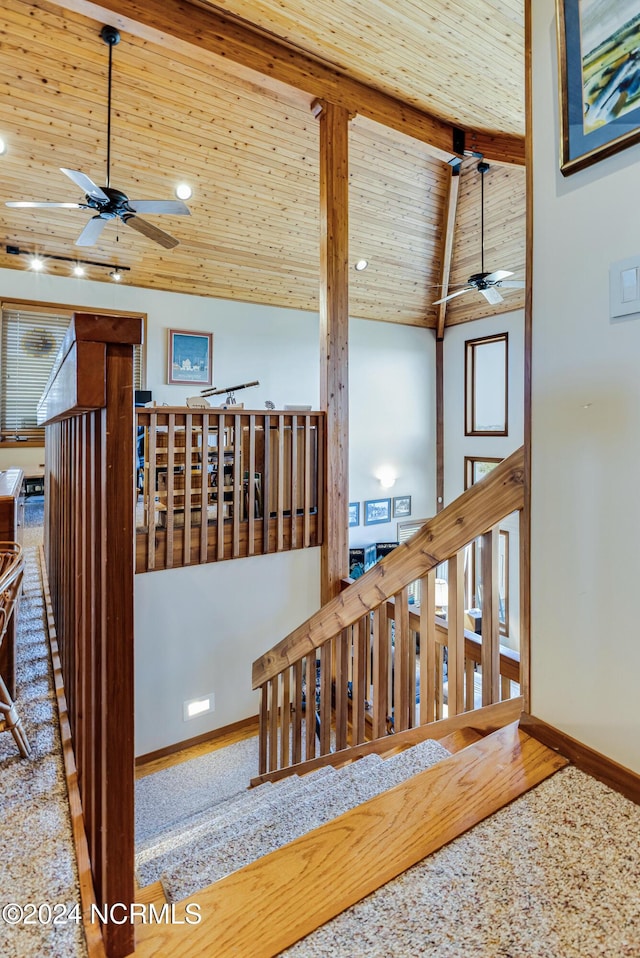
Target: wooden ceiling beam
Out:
[176,24]
[447,248]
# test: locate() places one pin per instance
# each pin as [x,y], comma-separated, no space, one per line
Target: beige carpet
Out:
[38,864]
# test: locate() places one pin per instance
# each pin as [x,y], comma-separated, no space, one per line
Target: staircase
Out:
[272,864]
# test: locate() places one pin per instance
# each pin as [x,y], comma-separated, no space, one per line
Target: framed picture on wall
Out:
[190,357]
[599,75]
[354,513]
[401,506]
[377,510]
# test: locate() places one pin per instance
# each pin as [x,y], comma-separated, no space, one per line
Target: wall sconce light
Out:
[386,477]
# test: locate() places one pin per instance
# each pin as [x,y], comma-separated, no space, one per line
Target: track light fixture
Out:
[38,261]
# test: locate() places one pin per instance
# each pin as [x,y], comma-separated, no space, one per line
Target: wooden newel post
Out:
[334,338]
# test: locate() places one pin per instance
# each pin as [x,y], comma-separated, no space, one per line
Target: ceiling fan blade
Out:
[28,204]
[150,231]
[86,185]
[511,284]
[498,275]
[445,299]
[92,231]
[175,207]
[492,295]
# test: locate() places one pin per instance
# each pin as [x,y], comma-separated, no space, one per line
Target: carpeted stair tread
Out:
[225,808]
[212,856]
[223,820]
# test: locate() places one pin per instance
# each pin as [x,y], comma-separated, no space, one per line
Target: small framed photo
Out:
[401,506]
[354,513]
[599,91]
[376,511]
[190,358]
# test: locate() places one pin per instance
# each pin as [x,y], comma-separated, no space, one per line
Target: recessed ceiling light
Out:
[36,263]
[3,146]
[116,275]
[361,264]
[183,191]
[78,270]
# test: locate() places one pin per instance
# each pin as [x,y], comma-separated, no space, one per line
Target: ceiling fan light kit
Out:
[487,284]
[107,202]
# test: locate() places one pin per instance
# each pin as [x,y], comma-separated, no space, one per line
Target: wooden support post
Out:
[334,337]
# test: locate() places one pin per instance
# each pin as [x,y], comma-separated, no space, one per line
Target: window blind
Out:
[29,342]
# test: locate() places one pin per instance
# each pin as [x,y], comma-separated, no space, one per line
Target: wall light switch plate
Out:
[624,288]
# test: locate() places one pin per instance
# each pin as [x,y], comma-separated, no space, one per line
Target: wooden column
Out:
[334,338]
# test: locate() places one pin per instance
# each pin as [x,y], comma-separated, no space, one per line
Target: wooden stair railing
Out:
[87,409]
[358,655]
[224,484]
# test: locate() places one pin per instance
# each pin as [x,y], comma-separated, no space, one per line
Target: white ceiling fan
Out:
[106,202]
[488,284]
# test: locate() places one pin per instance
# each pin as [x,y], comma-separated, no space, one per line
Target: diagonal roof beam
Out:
[176,25]
[447,248]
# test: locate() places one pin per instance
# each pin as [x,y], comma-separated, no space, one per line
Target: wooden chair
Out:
[11,571]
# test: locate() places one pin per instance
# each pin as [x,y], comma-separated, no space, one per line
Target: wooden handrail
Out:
[369,663]
[471,515]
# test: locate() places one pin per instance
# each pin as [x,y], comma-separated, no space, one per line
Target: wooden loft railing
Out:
[361,655]
[87,409]
[225,484]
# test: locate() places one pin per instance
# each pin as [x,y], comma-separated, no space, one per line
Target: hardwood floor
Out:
[225,738]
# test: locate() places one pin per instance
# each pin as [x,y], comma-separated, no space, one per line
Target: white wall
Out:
[586,427]
[198,630]
[392,420]
[457,445]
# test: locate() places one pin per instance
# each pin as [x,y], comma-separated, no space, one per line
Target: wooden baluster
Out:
[251,489]
[412,677]
[294,481]
[266,485]
[505,688]
[310,711]
[361,641]
[274,714]
[381,655]
[401,662]
[490,618]
[285,720]
[280,491]
[428,648]
[439,682]
[170,511]
[263,729]
[297,712]
[319,478]
[219,523]
[204,490]
[455,622]
[469,689]
[342,643]
[325,698]
[237,486]
[307,483]
[188,466]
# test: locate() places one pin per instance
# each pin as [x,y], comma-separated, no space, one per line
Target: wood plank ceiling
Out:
[248,144]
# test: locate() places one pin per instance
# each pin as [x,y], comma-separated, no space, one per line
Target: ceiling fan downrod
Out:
[111,37]
[482,169]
